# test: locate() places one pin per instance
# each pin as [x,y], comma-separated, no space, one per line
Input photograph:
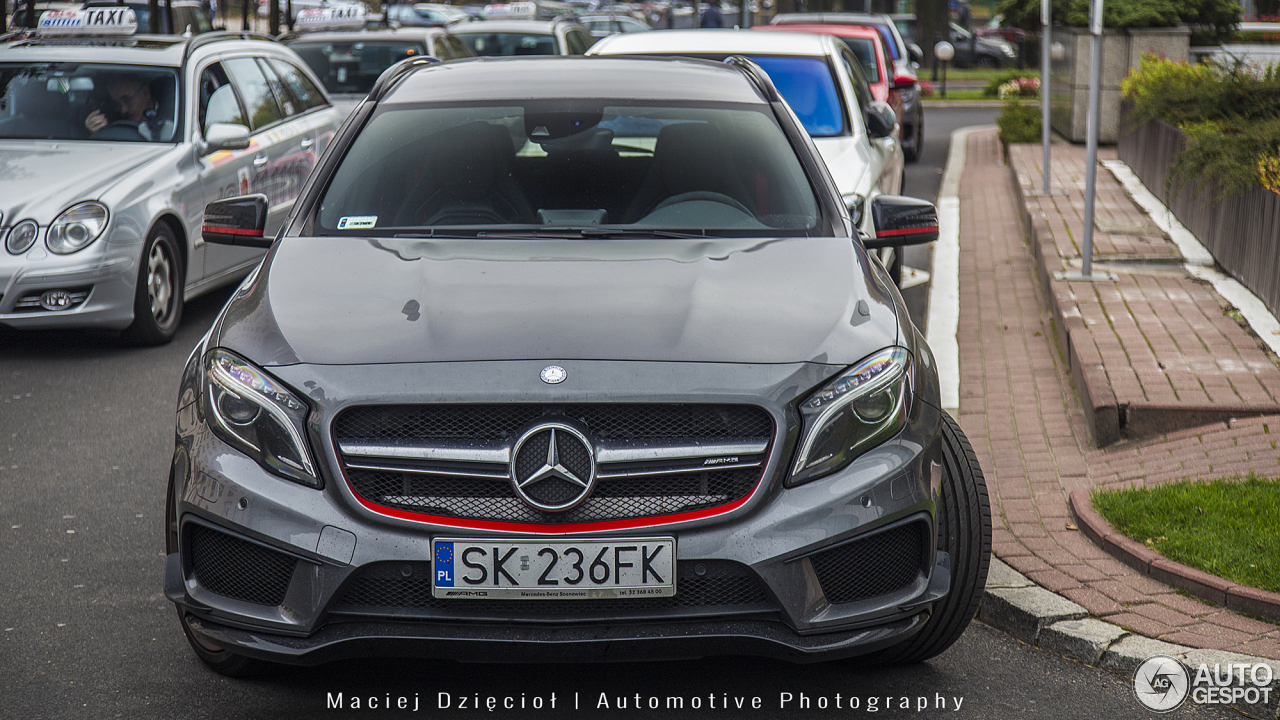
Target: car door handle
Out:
[260,161]
[307,143]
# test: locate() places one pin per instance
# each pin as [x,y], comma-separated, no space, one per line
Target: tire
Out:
[911,150]
[223,662]
[157,302]
[964,531]
[986,62]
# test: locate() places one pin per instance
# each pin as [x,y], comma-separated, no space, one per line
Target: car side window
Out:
[457,49]
[218,100]
[857,79]
[259,100]
[439,48]
[576,43]
[305,93]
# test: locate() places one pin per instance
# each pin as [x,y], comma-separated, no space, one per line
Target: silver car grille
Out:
[651,460]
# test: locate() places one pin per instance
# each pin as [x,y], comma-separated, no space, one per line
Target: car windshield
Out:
[89,101]
[496,43]
[353,67]
[865,50]
[810,90]
[569,168]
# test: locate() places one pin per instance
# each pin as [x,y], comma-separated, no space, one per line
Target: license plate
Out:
[558,570]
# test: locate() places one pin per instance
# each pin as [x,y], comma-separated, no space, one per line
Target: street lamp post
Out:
[944,52]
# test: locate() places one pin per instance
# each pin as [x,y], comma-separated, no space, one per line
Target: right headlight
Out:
[863,406]
[256,414]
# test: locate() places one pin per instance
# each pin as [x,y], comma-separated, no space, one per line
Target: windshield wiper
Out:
[555,233]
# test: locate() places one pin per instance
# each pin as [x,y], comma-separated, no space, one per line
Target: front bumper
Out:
[108,273]
[774,534]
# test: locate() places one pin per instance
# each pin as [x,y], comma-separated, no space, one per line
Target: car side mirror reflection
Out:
[900,220]
[880,120]
[915,53]
[237,221]
[226,136]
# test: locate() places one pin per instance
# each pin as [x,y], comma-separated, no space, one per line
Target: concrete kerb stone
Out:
[1016,605]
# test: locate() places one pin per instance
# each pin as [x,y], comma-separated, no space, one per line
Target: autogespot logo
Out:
[1161,683]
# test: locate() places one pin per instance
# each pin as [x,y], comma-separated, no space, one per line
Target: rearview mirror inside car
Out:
[237,221]
[900,220]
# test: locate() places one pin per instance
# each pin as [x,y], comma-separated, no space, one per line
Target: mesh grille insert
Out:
[239,569]
[385,586]
[504,422]
[873,566]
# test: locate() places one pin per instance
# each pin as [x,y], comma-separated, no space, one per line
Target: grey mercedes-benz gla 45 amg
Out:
[569,359]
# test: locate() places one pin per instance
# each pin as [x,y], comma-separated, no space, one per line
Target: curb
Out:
[1036,616]
[1225,593]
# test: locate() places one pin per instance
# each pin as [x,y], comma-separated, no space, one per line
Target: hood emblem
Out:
[553,374]
[553,467]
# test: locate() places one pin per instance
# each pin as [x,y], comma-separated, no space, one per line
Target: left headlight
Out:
[855,203]
[76,227]
[863,406]
[256,414]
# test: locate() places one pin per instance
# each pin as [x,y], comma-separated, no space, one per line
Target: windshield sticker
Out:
[357,222]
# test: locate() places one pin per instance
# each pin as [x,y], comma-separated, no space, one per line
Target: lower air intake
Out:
[872,566]
[238,569]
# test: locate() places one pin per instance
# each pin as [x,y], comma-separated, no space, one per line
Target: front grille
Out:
[238,569]
[722,586]
[652,460]
[872,566]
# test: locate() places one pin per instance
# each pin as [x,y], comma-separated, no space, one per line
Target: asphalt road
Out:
[85,440]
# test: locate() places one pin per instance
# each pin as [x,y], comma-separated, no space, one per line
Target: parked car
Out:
[606,25]
[348,58]
[616,379]
[822,80]
[986,52]
[562,36]
[429,14]
[114,142]
[906,55]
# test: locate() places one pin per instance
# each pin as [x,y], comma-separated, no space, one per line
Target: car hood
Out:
[849,160]
[356,301]
[39,178]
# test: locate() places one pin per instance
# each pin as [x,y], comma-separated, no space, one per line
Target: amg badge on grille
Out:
[553,374]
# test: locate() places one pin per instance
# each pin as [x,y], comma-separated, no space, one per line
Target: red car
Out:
[868,46]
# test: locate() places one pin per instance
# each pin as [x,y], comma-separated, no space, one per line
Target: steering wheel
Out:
[705,196]
[119,130]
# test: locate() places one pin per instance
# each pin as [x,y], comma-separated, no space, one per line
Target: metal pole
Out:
[1044,87]
[1091,147]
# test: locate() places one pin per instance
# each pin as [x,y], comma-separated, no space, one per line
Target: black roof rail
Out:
[392,74]
[756,75]
[219,36]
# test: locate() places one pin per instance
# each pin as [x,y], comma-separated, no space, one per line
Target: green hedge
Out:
[1219,17]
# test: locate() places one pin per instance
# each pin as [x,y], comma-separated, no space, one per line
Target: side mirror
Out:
[237,221]
[903,82]
[880,120]
[915,53]
[226,136]
[900,220]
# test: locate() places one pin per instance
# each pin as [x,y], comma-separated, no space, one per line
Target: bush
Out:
[1230,114]
[1220,16]
[993,88]
[1019,123]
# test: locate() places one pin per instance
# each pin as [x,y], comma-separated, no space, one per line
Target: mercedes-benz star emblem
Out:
[553,374]
[553,467]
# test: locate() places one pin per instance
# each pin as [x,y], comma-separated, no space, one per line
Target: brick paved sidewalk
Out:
[1019,409]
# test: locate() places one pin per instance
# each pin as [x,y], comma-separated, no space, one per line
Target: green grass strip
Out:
[1230,528]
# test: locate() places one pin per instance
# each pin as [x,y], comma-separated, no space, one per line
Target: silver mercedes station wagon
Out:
[569,359]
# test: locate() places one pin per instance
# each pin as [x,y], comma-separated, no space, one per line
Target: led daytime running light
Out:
[258,388]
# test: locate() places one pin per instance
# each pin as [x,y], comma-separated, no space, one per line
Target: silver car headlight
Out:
[863,406]
[76,227]
[256,414]
[855,203]
[22,237]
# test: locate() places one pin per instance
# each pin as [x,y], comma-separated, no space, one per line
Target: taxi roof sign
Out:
[332,17]
[511,11]
[90,21]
